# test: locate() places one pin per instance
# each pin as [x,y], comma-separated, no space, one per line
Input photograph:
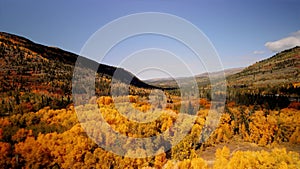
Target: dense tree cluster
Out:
[277,158]
[52,138]
[30,82]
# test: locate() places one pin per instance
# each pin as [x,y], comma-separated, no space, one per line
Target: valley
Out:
[40,127]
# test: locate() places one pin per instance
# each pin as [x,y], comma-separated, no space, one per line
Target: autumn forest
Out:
[40,127]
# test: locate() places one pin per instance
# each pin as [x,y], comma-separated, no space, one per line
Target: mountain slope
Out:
[281,69]
[33,75]
[59,55]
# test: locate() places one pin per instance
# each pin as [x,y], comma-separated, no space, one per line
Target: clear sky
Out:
[242,32]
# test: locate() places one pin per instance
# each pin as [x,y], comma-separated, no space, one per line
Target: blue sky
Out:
[241,31]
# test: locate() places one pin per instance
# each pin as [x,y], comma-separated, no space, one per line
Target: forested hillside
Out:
[276,71]
[33,76]
[273,82]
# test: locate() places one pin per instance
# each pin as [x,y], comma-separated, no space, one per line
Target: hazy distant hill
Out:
[33,75]
[202,79]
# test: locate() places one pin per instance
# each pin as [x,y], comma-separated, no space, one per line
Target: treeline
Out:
[267,101]
[22,103]
[270,98]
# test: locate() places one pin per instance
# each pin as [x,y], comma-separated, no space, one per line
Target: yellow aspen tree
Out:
[222,158]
